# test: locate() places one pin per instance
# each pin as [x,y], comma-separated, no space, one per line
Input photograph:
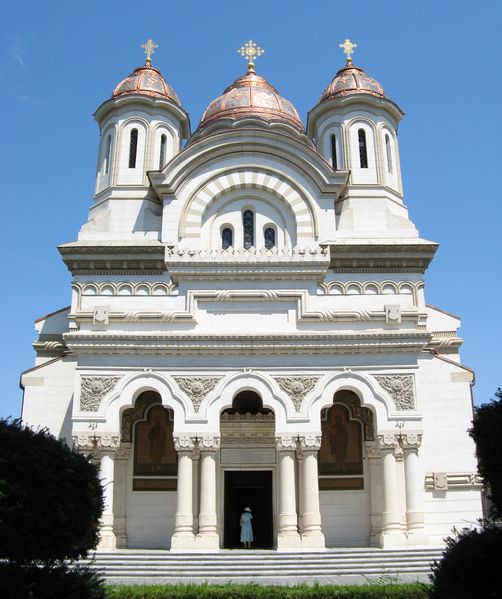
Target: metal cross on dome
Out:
[149,48]
[250,51]
[348,48]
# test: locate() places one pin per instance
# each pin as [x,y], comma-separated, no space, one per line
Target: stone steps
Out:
[333,566]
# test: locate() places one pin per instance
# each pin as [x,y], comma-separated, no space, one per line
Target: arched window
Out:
[107,153]
[334,161]
[248,228]
[363,150]
[227,238]
[389,153]
[133,148]
[162,155]
[269,236]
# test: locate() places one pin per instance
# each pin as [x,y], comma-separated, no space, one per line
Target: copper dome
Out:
[147,81]
[251,96]
[352,80]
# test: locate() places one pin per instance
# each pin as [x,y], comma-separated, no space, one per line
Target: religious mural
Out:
[341,446]
[154,452]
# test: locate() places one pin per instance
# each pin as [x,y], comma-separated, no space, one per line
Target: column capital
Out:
[309,442]
[412,440]
[184,443]
[209,442]
[286,442]
[123,451]
[373,450]
[391,442]
[96,442]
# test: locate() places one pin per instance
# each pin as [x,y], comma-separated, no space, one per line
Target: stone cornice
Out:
[89,342]
[351,255]
[93,257]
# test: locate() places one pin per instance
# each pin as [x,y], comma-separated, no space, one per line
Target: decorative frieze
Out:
[297,387]
[400,388]
[197,387]
[93,389]
[96,441]
[442,481]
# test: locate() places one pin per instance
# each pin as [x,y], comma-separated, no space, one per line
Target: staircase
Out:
[333,566]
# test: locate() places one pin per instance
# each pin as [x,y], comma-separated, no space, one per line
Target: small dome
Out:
[352,80]
[146,81]
[251,96]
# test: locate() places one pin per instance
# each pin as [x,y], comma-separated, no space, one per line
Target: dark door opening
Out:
[248,488]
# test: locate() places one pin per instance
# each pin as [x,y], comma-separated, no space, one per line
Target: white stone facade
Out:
[337,305]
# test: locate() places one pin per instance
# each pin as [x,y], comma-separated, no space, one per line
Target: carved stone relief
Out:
[400,388]
[93,389]
[197,387]
[297,387]
[93,441]
[285,442]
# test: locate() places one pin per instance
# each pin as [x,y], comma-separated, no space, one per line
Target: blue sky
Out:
[440,61]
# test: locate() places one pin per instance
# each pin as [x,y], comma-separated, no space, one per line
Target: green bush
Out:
[376,591]
[470,566]
[49,582]
[50,497]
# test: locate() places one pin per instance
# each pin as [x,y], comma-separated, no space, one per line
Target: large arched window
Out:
[107,153]
[227,238]
[334,158]
[269,238]
[388,151]
[133,148]
[162,154]
[363,149]
[248,228]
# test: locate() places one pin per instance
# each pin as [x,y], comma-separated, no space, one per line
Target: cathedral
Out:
[249,330]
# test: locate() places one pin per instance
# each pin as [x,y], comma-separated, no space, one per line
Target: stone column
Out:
[287,537]
[414,511]
[311,532]
[374,458]
[392,534]
[120,494]
[183,537]
[207,536]
[102,446]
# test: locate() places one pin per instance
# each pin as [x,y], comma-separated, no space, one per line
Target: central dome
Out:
[251,96]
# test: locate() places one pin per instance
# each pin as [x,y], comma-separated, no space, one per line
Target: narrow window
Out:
[389,154]
[162,155]
[248,228]
[363,150]
[226,238]
[334,160]
[107,153]
[269,235]
[133,148]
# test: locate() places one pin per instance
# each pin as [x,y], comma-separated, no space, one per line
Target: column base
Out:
[389,540]
[209,541]
[107,540]
[184,542]
[313,541]
[289,541]
[417,537]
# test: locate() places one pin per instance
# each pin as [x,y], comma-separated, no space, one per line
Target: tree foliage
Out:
[50,498]
[487,434]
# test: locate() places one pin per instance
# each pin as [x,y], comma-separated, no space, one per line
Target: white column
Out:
[120,490]
[288,537]
[374,457]
[207,537]
[183,537]
[311,532]
[106,476]
[392,534]
[414,512]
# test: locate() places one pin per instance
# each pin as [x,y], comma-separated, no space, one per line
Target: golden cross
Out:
[348,48]
[250,51]
[149,48]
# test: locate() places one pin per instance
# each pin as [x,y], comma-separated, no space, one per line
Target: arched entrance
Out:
[147,429]
[248,463]
[344,478]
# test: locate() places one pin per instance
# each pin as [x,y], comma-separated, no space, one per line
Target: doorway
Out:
[248,488]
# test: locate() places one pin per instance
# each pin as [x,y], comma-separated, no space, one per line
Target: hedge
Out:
[180,591]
